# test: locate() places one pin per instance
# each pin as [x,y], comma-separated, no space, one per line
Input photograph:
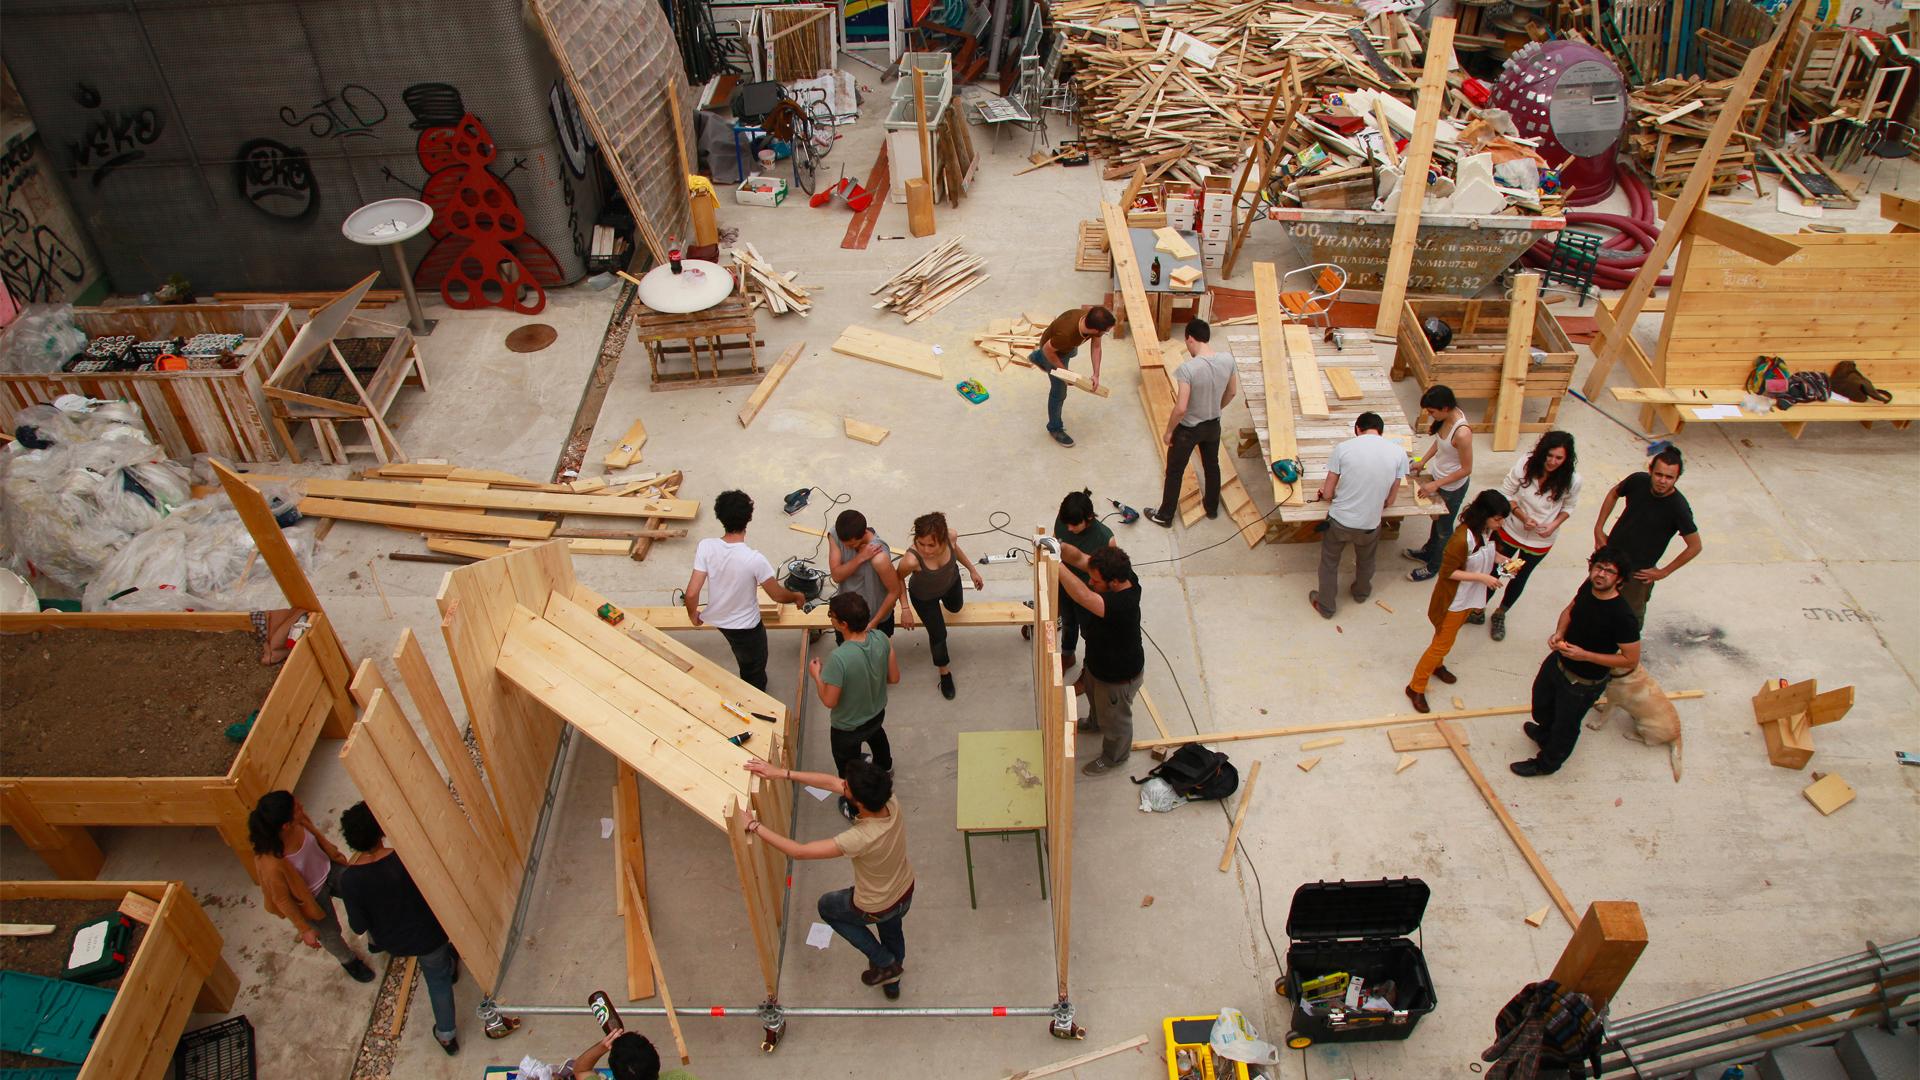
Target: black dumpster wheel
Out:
[1297,1041]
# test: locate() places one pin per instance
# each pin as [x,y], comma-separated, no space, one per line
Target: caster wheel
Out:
[769,1040]
[1297,1041]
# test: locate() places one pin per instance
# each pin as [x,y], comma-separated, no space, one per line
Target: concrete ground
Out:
[1808,571]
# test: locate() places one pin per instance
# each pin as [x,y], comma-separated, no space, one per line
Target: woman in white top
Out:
[1543,488]
[1469,586]
[1449,466]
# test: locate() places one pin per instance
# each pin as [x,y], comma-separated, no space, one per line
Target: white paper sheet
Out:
[819,935]
[817,793]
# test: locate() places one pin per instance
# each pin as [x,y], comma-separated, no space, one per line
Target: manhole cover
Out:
[531,338]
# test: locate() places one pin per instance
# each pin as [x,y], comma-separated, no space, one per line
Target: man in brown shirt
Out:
[1058,343]
[882,878]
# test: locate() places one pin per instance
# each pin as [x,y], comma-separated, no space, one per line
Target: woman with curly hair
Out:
[1543,488]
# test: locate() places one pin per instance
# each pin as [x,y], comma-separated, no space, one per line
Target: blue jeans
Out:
[1057,393]
[1436,545]
[436,968]
[837,911]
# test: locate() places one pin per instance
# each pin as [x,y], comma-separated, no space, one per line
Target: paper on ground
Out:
[818,793]
[819,935]
[606,828]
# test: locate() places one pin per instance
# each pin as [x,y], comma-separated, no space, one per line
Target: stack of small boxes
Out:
[1183,207]
[1216,221]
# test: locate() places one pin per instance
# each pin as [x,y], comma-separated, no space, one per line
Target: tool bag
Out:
[1195,772]
[1851,383]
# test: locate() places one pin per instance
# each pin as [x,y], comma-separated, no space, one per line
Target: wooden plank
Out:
[1344,386]
[626,848]
[20,622]
[770,382]
[705,671]
[627,451]
[268,538]
[1608,940]
[1240,816]
[1514,362]
[867,344]
[407,517]
[1420,737]
[871,434]
[637,916]
[541,502]
[472,549]
[1902,211]
[1069,1064]
[1322,744]
[1133,289]
[1753,243]
[1306,371]
[1357,725]
[476,798]
[1829,793]
[1281,442]
[1506,822]
[1080,382]
[1699,180]
[139,908]
[759,918]
[1412,196]
[1171,242]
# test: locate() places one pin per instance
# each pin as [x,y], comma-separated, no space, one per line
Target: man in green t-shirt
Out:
[853,683]
[1077,526]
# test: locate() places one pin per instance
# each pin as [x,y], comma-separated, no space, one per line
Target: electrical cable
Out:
[1637,229]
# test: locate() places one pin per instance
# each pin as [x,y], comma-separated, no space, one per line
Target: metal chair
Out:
[1883,144]
[1326,280]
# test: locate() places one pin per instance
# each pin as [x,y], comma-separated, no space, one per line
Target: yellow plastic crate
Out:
[1196,1028]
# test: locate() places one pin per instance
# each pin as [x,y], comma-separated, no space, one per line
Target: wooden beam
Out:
[1080,382]
[1902,211]
[1608,940]
[627,452]
[1413,189]
[769,382]
[447,521]
[476,798]
[1514,362]
[1281,442]
[274,549]
[1240,816]
[1699,180]
[1075,1062]
[1133,291]
[637,908]
[1753,243]
[539,502]
[1356,725]
[1499,809]
[1306,373]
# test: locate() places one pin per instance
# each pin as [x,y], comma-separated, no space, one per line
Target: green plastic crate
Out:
[50,1018]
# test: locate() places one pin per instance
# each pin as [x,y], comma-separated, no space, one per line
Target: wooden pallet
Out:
[1092,253]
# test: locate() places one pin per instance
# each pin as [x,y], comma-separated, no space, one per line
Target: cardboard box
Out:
[1213,262]
[759,190]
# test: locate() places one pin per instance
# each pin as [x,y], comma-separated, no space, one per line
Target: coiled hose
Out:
[1634,236]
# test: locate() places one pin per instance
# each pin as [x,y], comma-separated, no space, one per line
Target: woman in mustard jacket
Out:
[297,868]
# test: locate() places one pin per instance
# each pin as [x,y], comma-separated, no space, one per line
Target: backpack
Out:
[1195,772]
[1802,386]
[1851,383]
[1769,376]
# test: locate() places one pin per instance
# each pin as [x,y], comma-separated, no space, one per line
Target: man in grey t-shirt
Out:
[1203,386]
[1363,479]
[861,563]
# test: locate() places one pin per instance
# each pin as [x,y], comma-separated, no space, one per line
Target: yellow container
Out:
[1197,1029]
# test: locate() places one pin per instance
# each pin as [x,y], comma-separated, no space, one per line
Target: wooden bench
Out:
[1812,299]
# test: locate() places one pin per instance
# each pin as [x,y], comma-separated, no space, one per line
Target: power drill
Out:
[1128,515]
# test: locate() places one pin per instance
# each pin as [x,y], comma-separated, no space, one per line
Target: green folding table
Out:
[1002,792]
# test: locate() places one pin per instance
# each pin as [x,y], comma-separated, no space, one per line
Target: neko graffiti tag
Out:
[113,138]
[352,112]
[277,180]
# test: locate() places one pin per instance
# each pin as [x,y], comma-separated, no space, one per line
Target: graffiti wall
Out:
[45,256]
[228,143]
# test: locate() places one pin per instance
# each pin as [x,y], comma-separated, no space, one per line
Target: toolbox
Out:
[98,950]
[1190,1053]
[1346,940]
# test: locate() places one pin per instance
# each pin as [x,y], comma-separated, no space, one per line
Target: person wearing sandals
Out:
[298,871]
[1449,466]
[1467,575]
[931,570]
[1543,488]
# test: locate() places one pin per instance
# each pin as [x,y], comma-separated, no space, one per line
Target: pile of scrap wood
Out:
[1010,341]
[767,287]
[479,513]
[1672,119]
[1182,86]
[935,280]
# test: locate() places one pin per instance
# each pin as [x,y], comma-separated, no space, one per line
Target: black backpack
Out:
[1196,772]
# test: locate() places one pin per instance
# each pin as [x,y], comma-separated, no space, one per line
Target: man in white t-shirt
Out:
[735,571]
[1363,479]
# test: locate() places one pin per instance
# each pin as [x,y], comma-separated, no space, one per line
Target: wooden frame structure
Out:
[217,411]
[1811,299]
[309,699]
[177,970]
[314,350]
[1473,366]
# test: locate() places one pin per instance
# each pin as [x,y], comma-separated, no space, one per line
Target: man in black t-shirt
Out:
[383,903]
[1655,513]
[1076,525]
[1597,637]
[1116,660]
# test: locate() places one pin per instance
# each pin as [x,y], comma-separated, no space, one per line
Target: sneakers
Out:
[1476,617]
[1420,573]
[885,976]
[1098,767]
[1535,732]
[1530,767]
[359,970]
[946,685]
[1445,676]
[1213,513]
[451,1046]
[1419,700]
[1416,554]
[1061,437]
[1154,515]
[1498,630]
[892,990]
[1314,599]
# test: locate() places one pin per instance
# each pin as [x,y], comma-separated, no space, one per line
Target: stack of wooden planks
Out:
[1177,87]
[482,513]
[933,281]
[767,287]
[1672,119]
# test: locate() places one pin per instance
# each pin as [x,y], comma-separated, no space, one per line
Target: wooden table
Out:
[1002,792]
[1166,294]
[726,327]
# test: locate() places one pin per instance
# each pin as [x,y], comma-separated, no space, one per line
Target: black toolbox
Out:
[1358,928]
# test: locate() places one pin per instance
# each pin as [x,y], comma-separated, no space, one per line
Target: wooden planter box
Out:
[176,970]
[309,699]
[187,412]
[1470,366]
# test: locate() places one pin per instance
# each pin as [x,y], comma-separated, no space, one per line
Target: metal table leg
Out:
[1040,857]
[973,898]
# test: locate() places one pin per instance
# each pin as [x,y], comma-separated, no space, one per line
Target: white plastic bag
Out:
[41,339]
[1233,1038]
[1157,797]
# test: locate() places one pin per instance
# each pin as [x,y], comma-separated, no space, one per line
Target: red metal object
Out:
[477,226]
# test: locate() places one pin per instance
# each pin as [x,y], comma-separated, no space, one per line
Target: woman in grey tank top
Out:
[931,569]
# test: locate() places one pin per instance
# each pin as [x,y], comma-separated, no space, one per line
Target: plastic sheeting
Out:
[40,340]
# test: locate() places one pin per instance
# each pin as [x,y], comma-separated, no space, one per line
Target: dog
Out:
[1655,721]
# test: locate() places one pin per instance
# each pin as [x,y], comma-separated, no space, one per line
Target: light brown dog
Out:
[1655,721]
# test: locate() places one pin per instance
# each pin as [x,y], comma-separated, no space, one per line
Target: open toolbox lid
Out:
[1331,910]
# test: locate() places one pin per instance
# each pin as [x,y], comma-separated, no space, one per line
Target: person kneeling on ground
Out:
[1597,637]
[383,903]
[882,878]
[1116,660]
